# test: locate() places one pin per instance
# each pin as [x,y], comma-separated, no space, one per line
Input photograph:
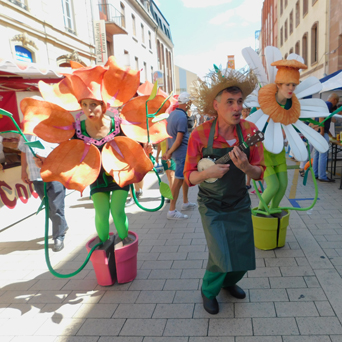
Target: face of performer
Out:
[285,91]
[92,109]
[229,107]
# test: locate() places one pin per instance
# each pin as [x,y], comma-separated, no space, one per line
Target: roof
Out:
[22,76]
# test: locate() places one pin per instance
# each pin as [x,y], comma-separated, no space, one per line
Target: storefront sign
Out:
[100,42]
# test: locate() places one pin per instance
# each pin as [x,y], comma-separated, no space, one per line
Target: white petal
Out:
[294,56]
[254,117]
[251,101]
[310,114]
[315,138]
[262,122]
[254,62]
[309,86]
[274,141]
[297,145]
[315,105]
[272,54]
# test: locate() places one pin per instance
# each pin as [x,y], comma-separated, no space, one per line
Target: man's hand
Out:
[39,161]
[217,170]
[239,158]
[24,177]
[167,155]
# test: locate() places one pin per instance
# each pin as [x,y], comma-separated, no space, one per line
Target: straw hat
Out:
[203,93]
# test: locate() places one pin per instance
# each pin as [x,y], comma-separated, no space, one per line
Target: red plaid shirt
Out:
[199,140]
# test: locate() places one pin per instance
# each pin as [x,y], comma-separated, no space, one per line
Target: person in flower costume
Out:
[102,151]
[282,108]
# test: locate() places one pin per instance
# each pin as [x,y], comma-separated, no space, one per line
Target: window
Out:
[305,7]
[152,74]
[285,57]
[125,52]
[145,71]
[285,3]
[305,48]
[291,22]
[314,43]
[291,51]
[285,30]
[281,37]
[149,40]
[313,2]
[68,15]
[136,63]
[20,3]
[281,7]
[122,10]
[142,34]
[297,48]
[297,13]
[133,26]
[23,54]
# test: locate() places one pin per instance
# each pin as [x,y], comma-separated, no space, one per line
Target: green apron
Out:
[226,215]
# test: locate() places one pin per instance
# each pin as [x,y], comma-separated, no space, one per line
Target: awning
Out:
[22,76]
[332,81]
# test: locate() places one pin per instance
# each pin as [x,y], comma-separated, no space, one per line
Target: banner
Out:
[100,42]
[8,102]
[231,62]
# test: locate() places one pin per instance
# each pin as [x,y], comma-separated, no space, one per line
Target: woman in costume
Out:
[282,108]
[101,151]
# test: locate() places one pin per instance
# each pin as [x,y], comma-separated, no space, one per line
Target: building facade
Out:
[303,28]
[148,43]
[184,79]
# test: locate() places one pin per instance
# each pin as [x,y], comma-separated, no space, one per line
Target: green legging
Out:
[116,205]
[275,190]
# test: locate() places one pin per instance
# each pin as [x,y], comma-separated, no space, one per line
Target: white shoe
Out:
[188,206]
[176,215]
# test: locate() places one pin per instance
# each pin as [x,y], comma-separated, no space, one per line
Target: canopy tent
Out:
[332,81]
[17,76]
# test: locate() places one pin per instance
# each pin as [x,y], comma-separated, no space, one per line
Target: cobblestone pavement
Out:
[294,295]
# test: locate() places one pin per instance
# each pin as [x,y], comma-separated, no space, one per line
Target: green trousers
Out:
[214,281]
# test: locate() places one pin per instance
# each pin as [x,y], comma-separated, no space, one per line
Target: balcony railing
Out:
[19,3]
[110,14]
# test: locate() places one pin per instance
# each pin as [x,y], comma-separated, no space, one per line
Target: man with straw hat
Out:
[224,205]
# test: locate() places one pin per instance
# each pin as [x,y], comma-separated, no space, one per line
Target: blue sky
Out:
[204,32]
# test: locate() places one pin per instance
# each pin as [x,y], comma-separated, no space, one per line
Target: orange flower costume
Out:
[77,161]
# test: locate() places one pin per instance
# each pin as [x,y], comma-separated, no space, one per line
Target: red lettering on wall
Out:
[7,202]
[22,190]
[33,192]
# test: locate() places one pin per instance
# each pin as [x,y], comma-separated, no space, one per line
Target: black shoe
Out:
[58,245]
[129,202]
[167,200]
[139,193]
[236,291]
[210,305]
[328,180]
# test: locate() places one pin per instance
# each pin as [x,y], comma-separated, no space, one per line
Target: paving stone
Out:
[173,256]
[254,310]
[189,273]
[296,309]
[117,339]
[134,311]
[166,339]
[306,339]
[148,284]
[275,326]
[306,294]
[119,297]
[287,282]
[273,262]
[153,265]
[165,274]
[226,310]
[186,327]
[312,282]
[188,297]
[336,338]
[268,295]
[144,327]
[192,248]
[173,311]
[324,308]
[259,339]
[290,253]
[182,284]
[197,256]
[296,271]
[230,327]
[211,339]
[67,326]
[95,311]
[264,272]
[147,256]
[178,242]
[319,326]
[155,297]
[254,283]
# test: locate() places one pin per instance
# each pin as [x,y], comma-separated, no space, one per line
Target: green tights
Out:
[275,190]
[103,204]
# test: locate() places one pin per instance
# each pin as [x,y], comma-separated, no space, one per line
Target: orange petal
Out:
[76,65]
[126,162]
[119,82]
[44,119]
[135,112]
[72,165]
[60,94]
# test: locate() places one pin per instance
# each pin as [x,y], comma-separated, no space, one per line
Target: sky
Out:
[205,32]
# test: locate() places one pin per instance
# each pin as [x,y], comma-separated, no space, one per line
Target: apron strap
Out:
[211,135]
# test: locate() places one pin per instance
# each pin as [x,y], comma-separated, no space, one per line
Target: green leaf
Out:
[42,206]
[35,144]
[165,190]
[160,117]
[154,91]
[6,113]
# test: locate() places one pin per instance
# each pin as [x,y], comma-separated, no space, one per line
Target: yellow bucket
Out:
[270,232]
